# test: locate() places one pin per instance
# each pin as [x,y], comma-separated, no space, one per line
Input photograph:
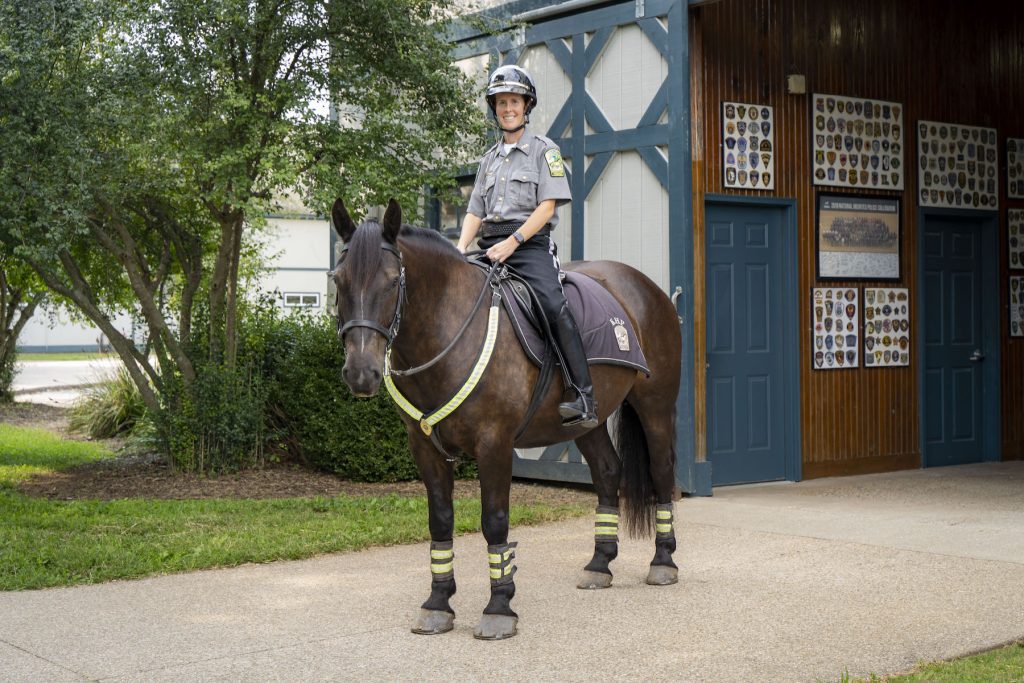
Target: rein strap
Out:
[428,420]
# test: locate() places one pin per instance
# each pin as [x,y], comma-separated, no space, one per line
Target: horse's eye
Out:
[394,283]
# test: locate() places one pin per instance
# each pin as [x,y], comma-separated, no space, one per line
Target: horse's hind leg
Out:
[596,446]
[498,620]
[658,421]
[436,614]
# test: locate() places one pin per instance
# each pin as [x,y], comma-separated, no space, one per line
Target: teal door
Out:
[954,341]
[745,380]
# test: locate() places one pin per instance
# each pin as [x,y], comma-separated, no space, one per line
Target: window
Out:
[302,299]
[449,214]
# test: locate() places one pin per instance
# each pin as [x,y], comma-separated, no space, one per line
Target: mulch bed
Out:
[147,476]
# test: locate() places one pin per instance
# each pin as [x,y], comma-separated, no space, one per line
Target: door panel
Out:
[953,333]
[744,291]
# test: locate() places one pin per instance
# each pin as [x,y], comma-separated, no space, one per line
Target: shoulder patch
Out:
[556,168]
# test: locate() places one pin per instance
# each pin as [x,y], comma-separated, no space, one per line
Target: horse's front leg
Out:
[436,614]
[498,620]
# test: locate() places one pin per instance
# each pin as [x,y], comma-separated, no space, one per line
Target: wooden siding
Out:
[944,61]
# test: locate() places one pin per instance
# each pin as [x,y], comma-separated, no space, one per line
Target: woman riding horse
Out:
[520,182]
[410,316]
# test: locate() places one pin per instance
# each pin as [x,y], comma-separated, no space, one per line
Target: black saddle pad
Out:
[608,335]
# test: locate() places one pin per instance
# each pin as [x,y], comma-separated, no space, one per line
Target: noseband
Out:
[392,330]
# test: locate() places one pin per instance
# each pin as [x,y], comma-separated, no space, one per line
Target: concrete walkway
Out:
[778,582]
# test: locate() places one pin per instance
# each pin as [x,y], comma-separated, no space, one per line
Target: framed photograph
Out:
[886,327]
[1015,238]
[835,343]
[748,146]
[857,237]
[1017,305]
[857,143]
[957,166]
[1015,168]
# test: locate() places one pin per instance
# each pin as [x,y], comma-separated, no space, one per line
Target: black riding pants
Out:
[536,261]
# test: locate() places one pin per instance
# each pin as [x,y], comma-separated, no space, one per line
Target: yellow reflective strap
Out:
[495,573]
[664,514]
[444,411]
[441,568]
[663,528]
[494,558]
[442,554]
[614,519]
[605,531]
[508,570]
[509,553]
[478,370]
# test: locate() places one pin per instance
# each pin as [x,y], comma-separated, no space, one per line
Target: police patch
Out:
[555,166]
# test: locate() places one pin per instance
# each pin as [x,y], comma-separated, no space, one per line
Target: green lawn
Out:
[1002,665]
[53,543]
[74,355]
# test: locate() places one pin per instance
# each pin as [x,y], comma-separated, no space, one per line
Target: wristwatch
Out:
[518,237]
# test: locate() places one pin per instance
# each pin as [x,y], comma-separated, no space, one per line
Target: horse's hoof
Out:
[495,627]
[593,580]
[431,622]
[660,575]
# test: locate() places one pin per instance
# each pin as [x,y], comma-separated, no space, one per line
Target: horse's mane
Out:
[364,252]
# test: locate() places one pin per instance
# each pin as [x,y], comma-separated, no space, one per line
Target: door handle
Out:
[675,301]
[977,356]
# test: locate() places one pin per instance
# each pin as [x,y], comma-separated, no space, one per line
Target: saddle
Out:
[608,335]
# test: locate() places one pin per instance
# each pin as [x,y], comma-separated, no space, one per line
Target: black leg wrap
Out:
[440,593]
[606,539]
[501,597]
[604,553]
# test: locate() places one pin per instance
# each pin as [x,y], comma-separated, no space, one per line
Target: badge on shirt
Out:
[555,166]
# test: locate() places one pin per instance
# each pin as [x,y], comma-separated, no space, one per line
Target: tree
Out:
[141,138]
[20,295]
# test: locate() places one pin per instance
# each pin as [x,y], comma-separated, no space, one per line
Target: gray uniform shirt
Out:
[510,185]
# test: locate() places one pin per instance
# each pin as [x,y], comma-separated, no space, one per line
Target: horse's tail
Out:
[637,485]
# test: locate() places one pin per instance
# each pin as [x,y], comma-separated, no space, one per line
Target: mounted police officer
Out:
[520,182]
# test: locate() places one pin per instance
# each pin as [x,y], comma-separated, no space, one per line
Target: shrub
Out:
[112,407]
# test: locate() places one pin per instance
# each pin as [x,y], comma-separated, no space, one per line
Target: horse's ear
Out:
[392,220]
[343,224]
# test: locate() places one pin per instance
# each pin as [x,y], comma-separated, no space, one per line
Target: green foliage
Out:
[112,407]
[317,418]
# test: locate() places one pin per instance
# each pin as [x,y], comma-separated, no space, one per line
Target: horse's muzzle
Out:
[364,382]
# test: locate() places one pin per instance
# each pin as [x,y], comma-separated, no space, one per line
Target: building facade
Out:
[832,194]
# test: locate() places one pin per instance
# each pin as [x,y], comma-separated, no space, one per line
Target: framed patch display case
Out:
[886,327]
[857,142]
[835,316]
[1015,168]
[1017,305]
[748,146]
[1015,238]
[957,166]
[857,237]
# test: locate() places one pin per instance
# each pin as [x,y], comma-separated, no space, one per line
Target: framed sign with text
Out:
[858,237]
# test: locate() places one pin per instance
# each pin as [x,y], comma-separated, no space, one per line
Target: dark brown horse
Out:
[409,289]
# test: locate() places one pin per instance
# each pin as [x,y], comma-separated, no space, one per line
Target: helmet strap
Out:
[497,123]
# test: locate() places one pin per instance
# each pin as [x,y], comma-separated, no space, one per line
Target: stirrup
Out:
[573,416]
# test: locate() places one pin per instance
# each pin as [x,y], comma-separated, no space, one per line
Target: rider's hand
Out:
[502,250]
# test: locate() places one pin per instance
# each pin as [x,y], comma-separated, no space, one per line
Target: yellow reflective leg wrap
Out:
[442,558]
[606,524]
[499,560]
[663,521]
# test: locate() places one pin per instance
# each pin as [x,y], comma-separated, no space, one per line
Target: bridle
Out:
[391,331]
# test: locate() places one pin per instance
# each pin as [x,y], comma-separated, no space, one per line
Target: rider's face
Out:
[510,109]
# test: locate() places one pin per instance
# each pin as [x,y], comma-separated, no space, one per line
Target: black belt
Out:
[507,228]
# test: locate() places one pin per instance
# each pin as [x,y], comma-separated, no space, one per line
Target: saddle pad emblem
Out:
[555,166]
[621,335]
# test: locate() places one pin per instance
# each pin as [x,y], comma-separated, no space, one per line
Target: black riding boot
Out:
[578,406]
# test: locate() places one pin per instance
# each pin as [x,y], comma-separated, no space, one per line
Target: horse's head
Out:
[371,283]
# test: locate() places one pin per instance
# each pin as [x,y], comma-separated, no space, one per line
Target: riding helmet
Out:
[513,79]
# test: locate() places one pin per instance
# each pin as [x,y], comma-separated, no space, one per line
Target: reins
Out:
[465,325]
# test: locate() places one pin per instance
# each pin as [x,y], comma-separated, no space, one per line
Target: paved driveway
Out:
[778,582]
